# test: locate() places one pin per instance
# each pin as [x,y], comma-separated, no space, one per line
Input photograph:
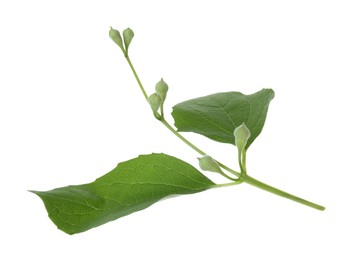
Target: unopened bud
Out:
[241,133]
[155,102]
[161,89]
[115,36]
[207,163]
[128,35]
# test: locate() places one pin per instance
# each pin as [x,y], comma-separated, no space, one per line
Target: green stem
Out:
[228,177]
[244,161]
[266,187]
[240,161]
[161,109]
[163,121]
[229,169]
[136,76]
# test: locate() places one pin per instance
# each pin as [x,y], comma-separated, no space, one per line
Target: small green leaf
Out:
[128,35]
[216,116]
[132,186]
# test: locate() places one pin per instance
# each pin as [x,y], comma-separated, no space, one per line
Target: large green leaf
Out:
[133,185]
[216,116]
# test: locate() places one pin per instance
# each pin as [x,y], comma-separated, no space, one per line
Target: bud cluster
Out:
[157,99]
[128,35]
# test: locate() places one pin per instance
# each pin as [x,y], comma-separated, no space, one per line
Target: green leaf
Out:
[133,185]
[216,116]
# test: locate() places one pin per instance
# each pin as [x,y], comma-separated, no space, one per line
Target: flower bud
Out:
[241,133]
[115,36]
[155,102]
[128,35]
[207,163]
[161,89]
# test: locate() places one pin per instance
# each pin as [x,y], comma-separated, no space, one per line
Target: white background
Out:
[70,110]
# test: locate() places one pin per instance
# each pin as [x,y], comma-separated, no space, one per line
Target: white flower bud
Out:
[155,102]
[115,36]
[207,163]
[241,133]
[128,35]
[161,89]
